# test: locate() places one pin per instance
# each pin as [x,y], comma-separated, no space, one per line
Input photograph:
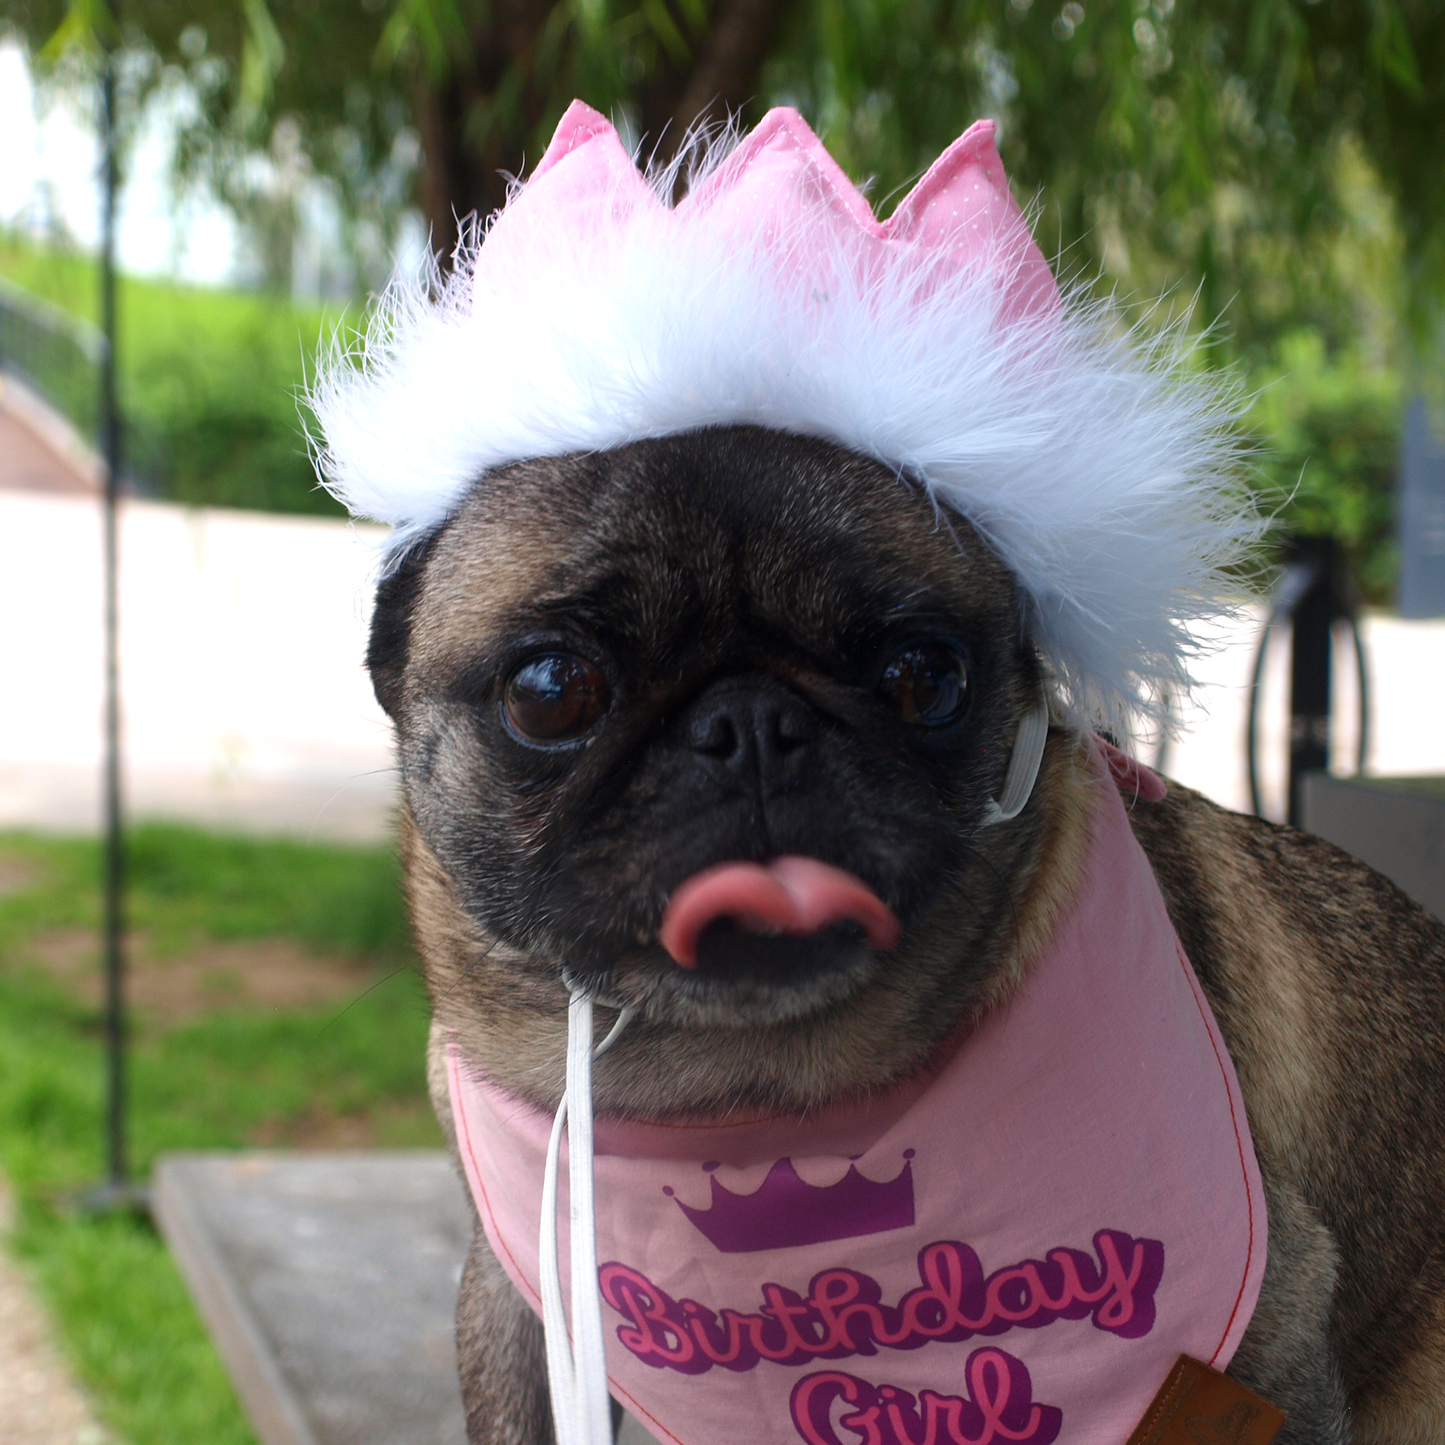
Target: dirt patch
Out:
[316,1129]
[267,973]
[395,1125]
[16,874]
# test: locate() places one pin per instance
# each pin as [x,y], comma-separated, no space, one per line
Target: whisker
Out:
[471,964]
[363,994]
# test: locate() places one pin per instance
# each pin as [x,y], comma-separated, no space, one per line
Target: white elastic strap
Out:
[576,1366]
[1023,767]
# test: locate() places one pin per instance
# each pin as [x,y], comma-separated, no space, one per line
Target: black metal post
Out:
[114,880]
[1310,662]
[1313,595]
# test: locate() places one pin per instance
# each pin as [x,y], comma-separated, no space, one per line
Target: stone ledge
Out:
[329,1284]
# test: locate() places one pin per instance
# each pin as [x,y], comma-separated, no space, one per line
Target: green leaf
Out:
[1391,50]
[88,27]
[431,30]
[262,56]
[664,27]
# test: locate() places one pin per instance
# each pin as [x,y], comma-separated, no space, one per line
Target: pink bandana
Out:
[1016,1248]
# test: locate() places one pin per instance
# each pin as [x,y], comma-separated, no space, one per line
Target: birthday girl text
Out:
[843,1312]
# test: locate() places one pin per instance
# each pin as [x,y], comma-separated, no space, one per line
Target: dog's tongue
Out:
[792,895]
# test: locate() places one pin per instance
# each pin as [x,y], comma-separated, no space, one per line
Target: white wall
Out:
[247,705]
[242,639]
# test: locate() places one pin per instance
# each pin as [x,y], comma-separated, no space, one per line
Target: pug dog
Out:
[614,668]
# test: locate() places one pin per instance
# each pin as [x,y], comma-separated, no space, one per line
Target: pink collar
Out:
[1016,1249]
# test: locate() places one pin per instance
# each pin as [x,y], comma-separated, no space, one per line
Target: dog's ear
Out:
[386,651]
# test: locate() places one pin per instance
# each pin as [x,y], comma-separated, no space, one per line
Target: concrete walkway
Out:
[28,465]
[39,449]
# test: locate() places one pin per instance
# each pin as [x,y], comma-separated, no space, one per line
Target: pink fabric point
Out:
[793,895]
[780,188]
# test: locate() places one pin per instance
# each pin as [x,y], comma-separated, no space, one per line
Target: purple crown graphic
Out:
[786,1211]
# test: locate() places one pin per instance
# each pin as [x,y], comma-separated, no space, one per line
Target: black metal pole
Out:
[1310,666]
[1313,594]
[114,880]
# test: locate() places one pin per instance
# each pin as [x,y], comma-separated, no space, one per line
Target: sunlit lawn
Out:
[220,1069]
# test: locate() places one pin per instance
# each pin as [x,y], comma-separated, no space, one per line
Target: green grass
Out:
[209,380]
[215,1081]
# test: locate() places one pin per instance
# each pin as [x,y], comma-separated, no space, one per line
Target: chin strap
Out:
[576,1366]
[1023,767]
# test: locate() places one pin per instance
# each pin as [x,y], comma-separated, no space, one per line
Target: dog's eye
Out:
[554,697]
[927,682]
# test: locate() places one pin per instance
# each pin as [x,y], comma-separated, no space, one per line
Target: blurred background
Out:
[1269,175]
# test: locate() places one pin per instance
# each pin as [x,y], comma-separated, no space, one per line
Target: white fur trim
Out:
[1099,466]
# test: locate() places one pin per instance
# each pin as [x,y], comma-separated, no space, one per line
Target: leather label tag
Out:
[1197,1405]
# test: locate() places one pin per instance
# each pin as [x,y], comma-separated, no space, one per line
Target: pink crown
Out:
[781,189]
[786,1211]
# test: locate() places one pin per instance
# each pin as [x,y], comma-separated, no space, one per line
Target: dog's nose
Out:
[753,731]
